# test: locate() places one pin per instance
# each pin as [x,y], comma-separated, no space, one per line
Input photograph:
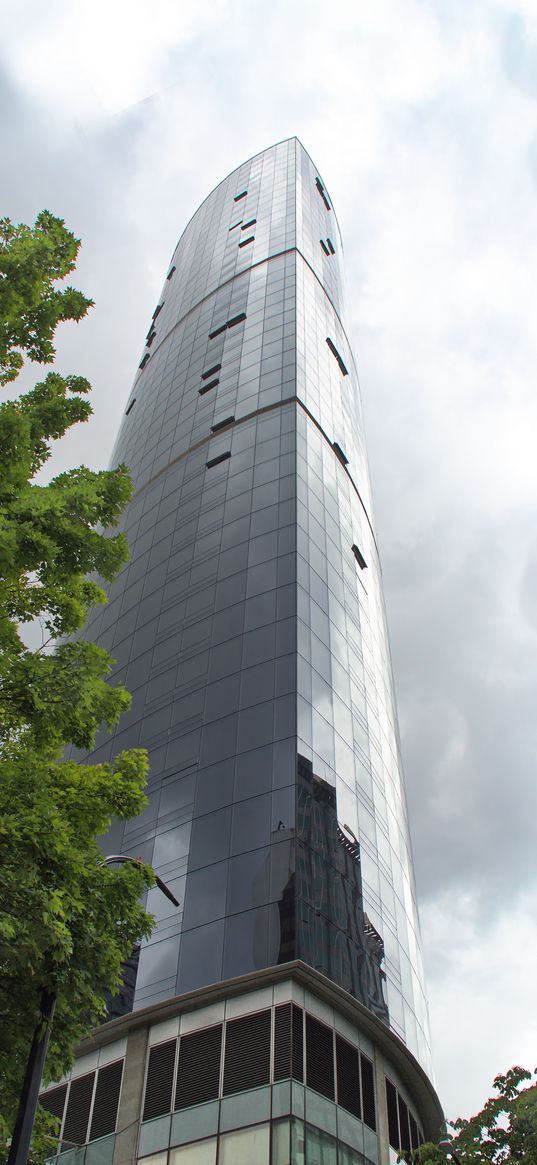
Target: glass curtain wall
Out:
[249,624]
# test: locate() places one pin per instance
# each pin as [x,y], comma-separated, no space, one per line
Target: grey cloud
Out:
[469,731]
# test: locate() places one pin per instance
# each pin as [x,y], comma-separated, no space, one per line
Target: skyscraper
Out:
[280,1014]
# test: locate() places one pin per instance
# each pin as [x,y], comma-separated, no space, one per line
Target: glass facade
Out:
[249,625]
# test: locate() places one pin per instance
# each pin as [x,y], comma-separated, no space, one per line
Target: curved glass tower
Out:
[250,628]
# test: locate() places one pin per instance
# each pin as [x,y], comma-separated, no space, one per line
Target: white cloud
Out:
[481,982]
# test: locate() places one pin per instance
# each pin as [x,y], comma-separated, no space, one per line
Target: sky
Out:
[422,118]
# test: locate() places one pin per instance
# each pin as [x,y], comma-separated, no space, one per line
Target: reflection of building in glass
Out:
[333,932]
[249,626]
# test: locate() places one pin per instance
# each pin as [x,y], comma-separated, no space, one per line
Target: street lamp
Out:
[22,1132]
[445,1145]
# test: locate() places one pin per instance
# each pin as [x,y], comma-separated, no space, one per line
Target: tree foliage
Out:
[66,921]
[504,1131]
[32,260]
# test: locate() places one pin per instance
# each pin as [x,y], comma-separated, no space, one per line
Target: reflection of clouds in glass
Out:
[171,845]
[158,960]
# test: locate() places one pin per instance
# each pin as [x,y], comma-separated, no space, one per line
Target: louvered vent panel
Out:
[414,1134]
[348,1077]
[403,1123]
[282,1041]
[159,1083]
[104,1115]
[247,1057]
[393,1123]
[319,1057]
[369,1116]
[198,1071]
[297,1060]
[75,1128]
[54,1100]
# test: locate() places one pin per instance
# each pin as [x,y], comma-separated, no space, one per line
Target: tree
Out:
[503,1131]
[66,921]
[506,1127]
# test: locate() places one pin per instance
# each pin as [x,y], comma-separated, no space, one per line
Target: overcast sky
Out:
[120,116]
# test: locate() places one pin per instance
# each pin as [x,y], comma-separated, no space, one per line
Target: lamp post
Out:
[445,1145]
[24,1123]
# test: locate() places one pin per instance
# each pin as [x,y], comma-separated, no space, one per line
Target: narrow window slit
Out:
[322,192]
[207,387]
[171,272]
[324,246]
[222,424]
[217,331]
[339,453]
[250,223]
[157,310]
[130,407]
[238,197]
[144,360]
[229,324]
[217,460]
[331,246]
[246,241]
[211,371]
[335,353]
[235,225]
[359,557]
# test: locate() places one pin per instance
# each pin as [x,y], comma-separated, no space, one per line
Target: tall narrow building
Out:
[279,1015]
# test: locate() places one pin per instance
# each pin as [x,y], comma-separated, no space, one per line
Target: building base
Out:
[278,1067]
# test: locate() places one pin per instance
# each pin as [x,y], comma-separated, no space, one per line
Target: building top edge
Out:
[258,154]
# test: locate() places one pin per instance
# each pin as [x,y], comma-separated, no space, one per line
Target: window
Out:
[221,424]
[236,320]
[251,222]
[339,453]
[235,225]
[241,195]
[245,242]
[96,1092]
[368,1093]
[131,406]
[199,1153]
[330,246]
[403,1130]
[211,371]
[198,1071]
[245,1146]
[144,360]
[322,192]
[229,324]
[339,358]
[106,1102]
[393,1122]
[247,1054]
[348,1076]
[171,272]
[158,1087]
[217,460]
[75,1126]
[53,1101]
[324,246]
[319,1057]
[359,557]
[150,337]
[157,310]
[207,387]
